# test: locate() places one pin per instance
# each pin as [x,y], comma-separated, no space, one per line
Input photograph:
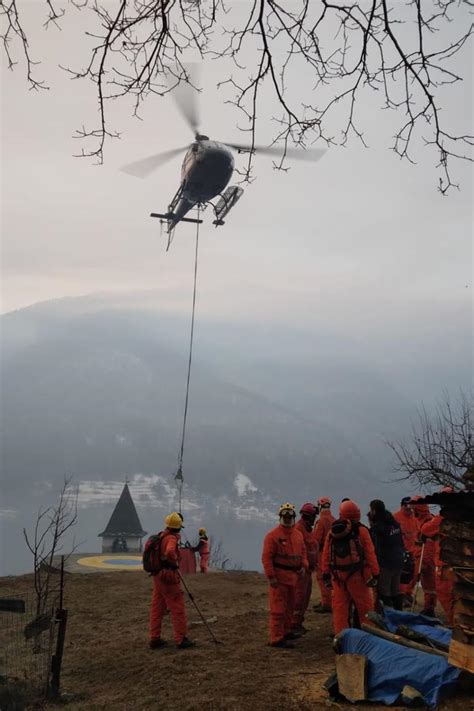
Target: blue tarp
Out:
[429,626]
[391,667]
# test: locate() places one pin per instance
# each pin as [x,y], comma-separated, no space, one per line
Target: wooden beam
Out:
[352,676]
[397,639]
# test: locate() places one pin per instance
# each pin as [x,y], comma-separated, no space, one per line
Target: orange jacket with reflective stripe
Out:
[322,528]
[284,554]
[309,542]
[409,527]
[371,565]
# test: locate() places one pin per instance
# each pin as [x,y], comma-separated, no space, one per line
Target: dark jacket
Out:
[387,538]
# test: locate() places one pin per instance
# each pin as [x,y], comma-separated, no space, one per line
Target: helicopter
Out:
[207,168]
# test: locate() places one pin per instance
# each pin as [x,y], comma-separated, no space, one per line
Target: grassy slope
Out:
[108,665]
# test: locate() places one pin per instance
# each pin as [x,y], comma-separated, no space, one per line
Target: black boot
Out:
[186,643]
[157,643]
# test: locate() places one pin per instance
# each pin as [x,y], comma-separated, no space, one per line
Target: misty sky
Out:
[360,237]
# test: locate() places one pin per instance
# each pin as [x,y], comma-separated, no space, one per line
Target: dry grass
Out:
[108,665]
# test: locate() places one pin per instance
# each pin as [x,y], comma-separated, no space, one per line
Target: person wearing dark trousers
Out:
[388,542]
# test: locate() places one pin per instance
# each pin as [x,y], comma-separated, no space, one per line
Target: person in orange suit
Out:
[410,534]
[167,592]
[204,550]
[444,573]
[284,559]
[305,582]
[428,568]
[321,530]
[350,567]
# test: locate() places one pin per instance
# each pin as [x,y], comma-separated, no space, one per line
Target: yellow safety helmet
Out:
[287,508]
[174,520]
[202,531]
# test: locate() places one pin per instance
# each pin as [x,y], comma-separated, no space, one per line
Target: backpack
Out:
[151,558]
[347,554]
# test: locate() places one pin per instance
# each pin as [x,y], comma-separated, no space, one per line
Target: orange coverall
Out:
[283,558]
[410,533]
[204,552]
[304,584]
[320,533]
[444,573]
[428,567]
[167,592]
[347,586]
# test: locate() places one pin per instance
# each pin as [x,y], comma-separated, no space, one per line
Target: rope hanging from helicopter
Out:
[179,479]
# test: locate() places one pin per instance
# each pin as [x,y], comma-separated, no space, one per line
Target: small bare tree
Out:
[441,447]
[47,541]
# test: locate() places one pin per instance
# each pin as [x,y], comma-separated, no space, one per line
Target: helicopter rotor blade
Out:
[144,167]
[185,96]
[306,154]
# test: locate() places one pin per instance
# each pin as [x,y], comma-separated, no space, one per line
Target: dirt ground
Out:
[108,665]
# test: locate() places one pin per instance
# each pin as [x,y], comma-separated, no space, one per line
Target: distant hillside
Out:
[100,394]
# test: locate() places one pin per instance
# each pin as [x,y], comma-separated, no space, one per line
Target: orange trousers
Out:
[428,583]
[444,591]
[353,589]
[171,597]
[324,592]
[303,591]
[204,562]
[282,603]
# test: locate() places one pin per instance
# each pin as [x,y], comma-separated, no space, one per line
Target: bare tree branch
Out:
[441,446]
[47,540]
[407,54]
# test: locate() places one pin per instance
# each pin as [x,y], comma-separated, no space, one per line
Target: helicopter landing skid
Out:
[227,201]
[166,216]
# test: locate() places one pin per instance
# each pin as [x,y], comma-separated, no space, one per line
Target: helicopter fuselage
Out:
[206,170]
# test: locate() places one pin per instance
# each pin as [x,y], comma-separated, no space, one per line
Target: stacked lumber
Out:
[457,550]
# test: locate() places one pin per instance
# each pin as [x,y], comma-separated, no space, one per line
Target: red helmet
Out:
[349,510]
[324,501]
[447,490]
[309,509]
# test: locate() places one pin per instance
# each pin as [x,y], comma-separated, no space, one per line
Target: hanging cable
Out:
[179,474]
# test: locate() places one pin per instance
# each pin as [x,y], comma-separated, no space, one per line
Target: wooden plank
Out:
[464,607]
[461,655]
[463,530]
[352,676]
[463,591]
[463,634]
[12,605]
[397,639]
[458,547]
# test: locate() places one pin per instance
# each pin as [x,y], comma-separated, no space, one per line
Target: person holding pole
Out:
[167,591]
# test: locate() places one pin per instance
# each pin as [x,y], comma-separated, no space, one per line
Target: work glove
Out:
[372,582]
[273,582]
[327,581]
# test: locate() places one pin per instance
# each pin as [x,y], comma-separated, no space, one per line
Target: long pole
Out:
[418,578]
[191,597]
